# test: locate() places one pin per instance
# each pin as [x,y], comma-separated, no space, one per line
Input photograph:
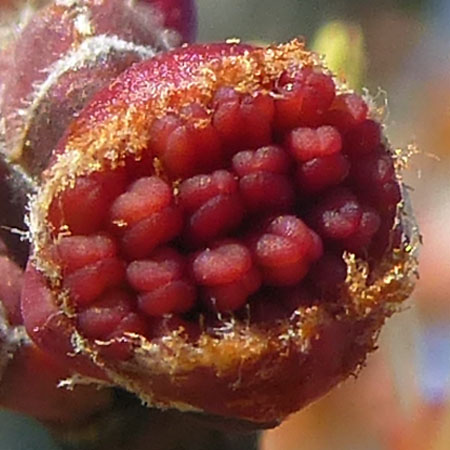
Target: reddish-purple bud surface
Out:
[217,186]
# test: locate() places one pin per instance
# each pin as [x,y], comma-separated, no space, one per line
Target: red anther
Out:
[319,174]
[163,283]
[288,107]
[85,207]
[265,186]
[257,114]
[44,320]
[140,166]
[196,191]
[319,93]
[204,137]
[285,251]
[294,228]
[101,318]
[209,148]
[266,159]
[224,95]
[160,132]
[215,218]
[369,225]
[144,197]
[243,121]
[191,149]
[75,252]
[214,204]
[363,138]
[337,216]
[308,143]
[89,282]
[229,276]
[223,264]
[266,192]
[285,275]
[162,267]
[374,175]
[159,228]
[180,157]
[346,112]
[174,297]
[305,96]
[146,214]
[227,119]
[193,112]
[232,296]
[273,250]
[317,248]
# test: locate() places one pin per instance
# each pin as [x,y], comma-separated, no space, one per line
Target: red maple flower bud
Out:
[220,230]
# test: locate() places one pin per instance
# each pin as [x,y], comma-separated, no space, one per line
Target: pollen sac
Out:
[227,274]
[264,181]
[212,204]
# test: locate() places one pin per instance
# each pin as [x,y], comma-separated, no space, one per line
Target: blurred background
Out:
[400,50]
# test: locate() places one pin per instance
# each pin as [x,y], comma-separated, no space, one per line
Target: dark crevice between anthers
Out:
[15,190]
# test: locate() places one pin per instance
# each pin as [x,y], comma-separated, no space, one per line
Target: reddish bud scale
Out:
[29,376]
[83,45]
[29,385]
[220,239]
